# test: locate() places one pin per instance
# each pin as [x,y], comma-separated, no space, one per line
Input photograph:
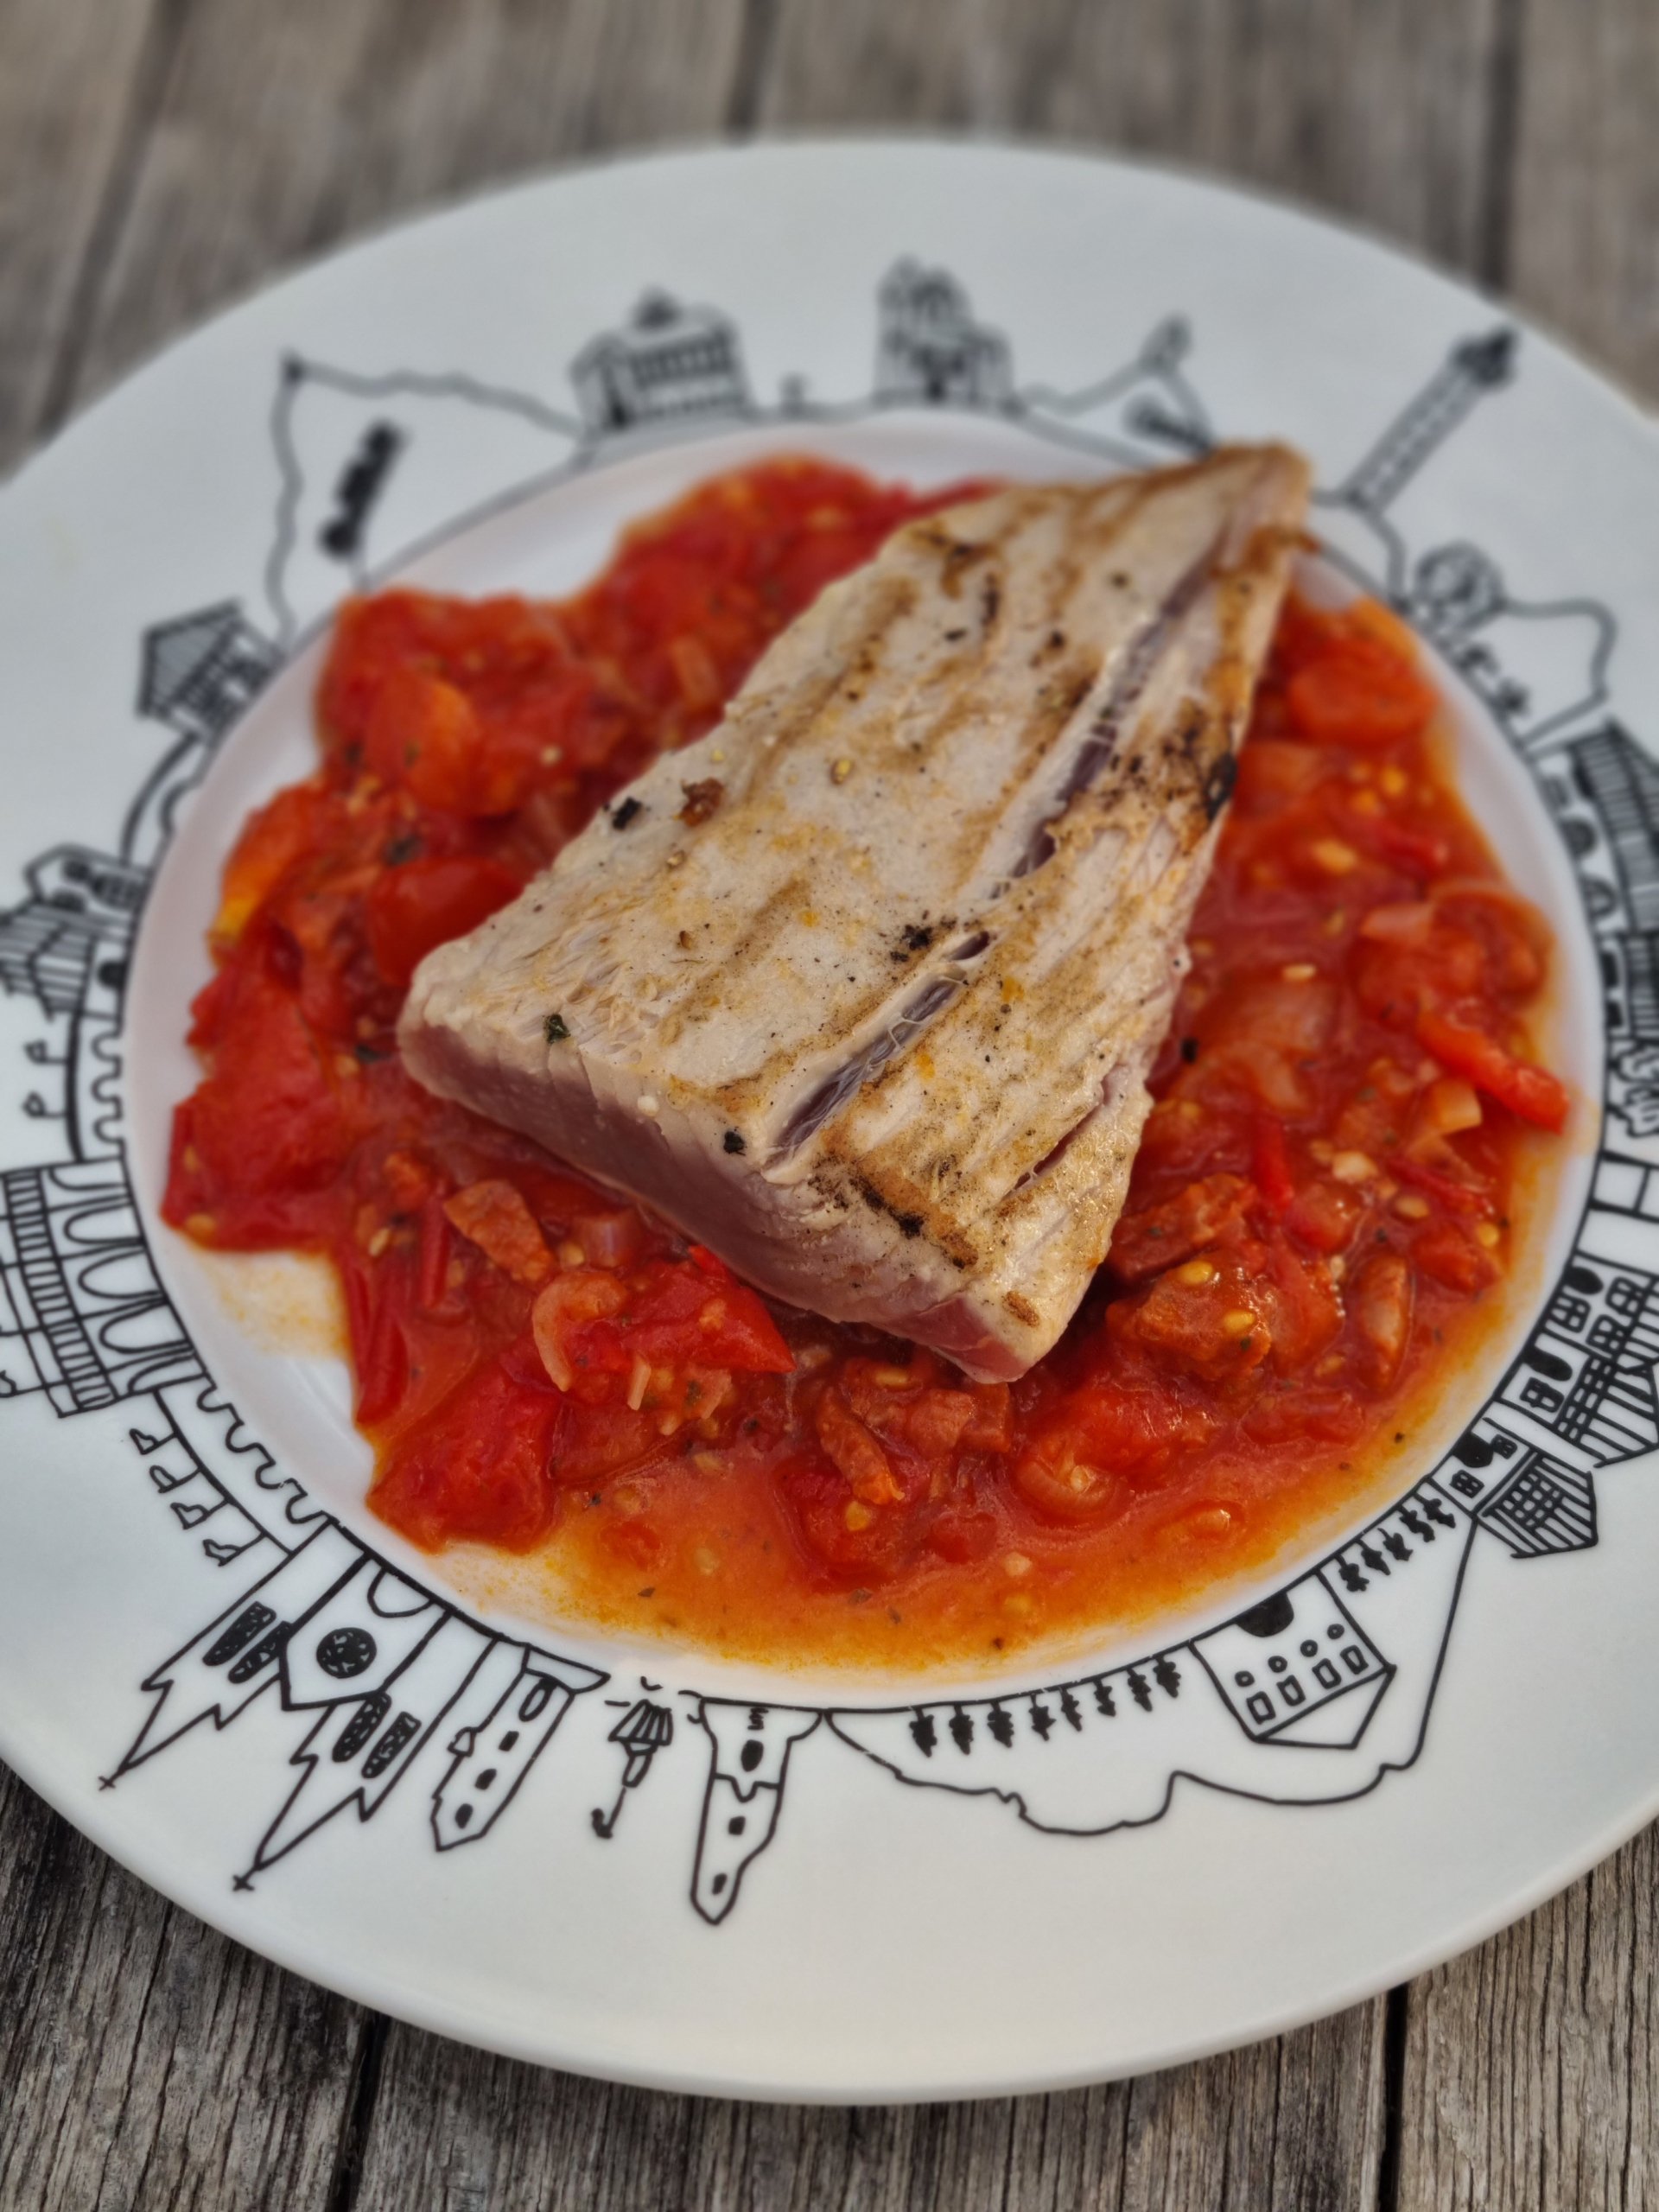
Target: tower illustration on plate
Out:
[1355,518]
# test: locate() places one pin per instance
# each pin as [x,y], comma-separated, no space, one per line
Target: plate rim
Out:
[410,2004]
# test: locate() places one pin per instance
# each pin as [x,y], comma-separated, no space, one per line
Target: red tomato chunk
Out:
[1324,1193]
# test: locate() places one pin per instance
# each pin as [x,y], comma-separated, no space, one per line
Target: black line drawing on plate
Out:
[644,1730]
[669,373]
[929,347]
[750,1746]
[341,483]
[198,673]
[1474,368]
[668,361]
[1536,666]
[362,483]
[1311,1695]
[1147,408]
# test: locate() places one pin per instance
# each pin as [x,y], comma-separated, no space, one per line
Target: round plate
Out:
[647,1864]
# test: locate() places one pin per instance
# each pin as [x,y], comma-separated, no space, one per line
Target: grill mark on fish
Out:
[898,600]
[826,1098]
[897,1034]
[1094,755]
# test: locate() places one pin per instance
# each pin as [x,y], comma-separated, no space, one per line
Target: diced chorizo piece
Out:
[1160,1237]
[991,1429]
[854,1451]
[493,1215]
[1455,1260]
[1209,1320]
[935,1422]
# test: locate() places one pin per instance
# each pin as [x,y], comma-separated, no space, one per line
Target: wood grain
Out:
[75,86]
[1376,109]
[147,2064]
[282,129]
[1531,2074]
[1585,250]
[1295,2124]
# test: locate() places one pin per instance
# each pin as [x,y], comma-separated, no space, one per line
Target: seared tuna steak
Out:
[862,989]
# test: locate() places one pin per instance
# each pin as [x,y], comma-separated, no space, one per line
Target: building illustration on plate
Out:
[197,675]
[82,1316]
[79,1298]
[670,361]
[928,346]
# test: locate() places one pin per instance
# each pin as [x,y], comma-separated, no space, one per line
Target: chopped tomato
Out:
[1270,1164]
[1362,694]
[1454,1259]
[1532,1092]
[1457,1197]
[274,840]
[421,904]
[478,1470]
[425,733]
[1325,1214]
[1084,1461]
[1299,1302]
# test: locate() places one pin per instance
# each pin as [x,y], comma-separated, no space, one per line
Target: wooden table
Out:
[159,158]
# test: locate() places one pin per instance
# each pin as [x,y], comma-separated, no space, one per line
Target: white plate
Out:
[1093,1867]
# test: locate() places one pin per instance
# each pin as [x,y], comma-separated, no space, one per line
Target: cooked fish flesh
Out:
[862,989]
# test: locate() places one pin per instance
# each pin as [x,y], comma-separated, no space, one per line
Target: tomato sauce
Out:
[1324,1202]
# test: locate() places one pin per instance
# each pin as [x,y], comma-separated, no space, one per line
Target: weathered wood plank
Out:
[1376,108]
[1532,2065]
[1296,2124]
[282,129]
[1583,246]
[150,2065]
[73,96]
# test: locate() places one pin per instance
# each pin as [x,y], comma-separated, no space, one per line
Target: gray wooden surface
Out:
[159,158]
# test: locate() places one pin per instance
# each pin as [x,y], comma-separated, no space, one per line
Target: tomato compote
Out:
[1324,1201]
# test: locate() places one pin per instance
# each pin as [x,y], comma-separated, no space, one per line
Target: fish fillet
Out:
[862,989]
